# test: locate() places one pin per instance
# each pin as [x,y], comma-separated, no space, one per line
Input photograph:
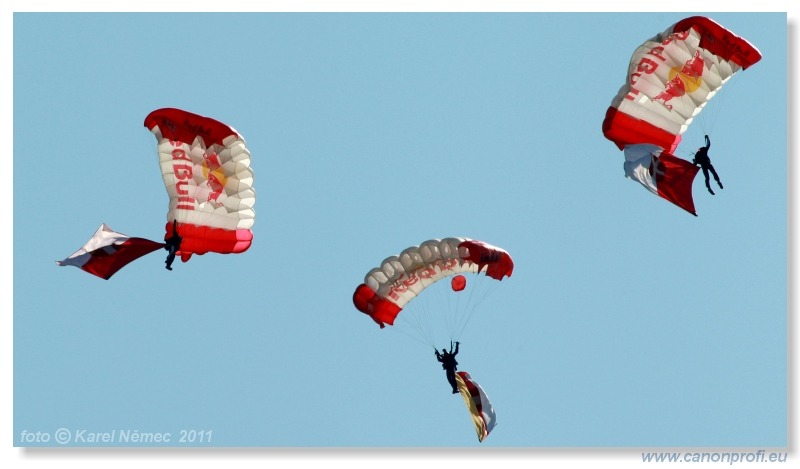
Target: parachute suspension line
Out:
[412,320]
[474,285]
[441,315]
[416,319]
[458,304]
[704,122]
[418,337]
[451,309]
[455,332]
[707,118]
[436,309]
[483,288]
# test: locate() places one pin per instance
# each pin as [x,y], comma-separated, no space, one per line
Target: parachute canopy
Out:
[205,165]
[399,279]
[671,77]
[478,405]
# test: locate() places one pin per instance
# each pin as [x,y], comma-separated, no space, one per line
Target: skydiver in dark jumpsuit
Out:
[449,364]
[701,159]
[173,244]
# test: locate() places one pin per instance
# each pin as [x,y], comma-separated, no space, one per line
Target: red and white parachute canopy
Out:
[206,169]
[671,77]
[399,279]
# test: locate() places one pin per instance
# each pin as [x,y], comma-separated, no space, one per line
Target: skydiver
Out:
[173,244]
[449,364]
[701,159]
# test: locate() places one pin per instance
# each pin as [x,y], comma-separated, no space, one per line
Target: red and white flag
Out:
[108,251]
[480,409]
[662,173]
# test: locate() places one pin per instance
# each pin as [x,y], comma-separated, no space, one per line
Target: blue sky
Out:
[627,323]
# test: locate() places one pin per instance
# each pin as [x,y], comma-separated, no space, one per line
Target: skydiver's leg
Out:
[170,259]
[708,186]
[716,178]
[451,378]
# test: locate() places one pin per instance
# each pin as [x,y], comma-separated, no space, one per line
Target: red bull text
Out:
[182,168]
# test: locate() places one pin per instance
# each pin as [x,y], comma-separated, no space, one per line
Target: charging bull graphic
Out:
[689,77]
